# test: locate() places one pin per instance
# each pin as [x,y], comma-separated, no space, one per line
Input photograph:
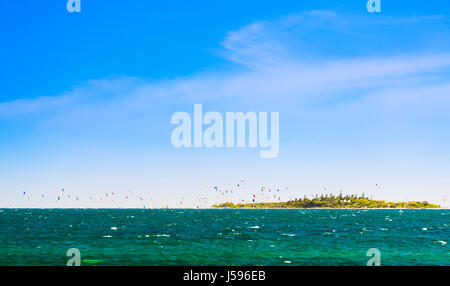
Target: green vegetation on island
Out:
[331,201]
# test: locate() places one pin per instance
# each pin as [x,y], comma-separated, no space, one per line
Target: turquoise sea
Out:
[224,236]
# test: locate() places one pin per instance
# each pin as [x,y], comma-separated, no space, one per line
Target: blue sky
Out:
[86,99]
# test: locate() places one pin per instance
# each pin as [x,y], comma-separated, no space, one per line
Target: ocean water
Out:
[224,236]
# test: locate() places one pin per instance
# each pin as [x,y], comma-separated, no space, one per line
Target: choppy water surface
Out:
[224,236]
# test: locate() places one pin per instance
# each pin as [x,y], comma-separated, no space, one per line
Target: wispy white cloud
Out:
[271,66]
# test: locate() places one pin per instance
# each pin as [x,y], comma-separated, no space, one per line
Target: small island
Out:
[332,202]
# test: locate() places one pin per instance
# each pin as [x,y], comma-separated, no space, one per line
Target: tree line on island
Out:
[331,201]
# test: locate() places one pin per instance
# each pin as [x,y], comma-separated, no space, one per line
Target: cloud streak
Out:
[270,66]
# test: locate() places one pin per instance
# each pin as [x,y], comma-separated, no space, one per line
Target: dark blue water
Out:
[224,236]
